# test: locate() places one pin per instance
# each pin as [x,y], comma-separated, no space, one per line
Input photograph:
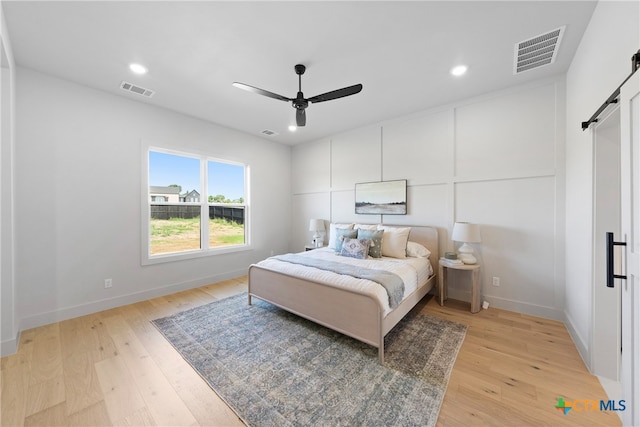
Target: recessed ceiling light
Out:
[138,69]
[292,128]
[459,70]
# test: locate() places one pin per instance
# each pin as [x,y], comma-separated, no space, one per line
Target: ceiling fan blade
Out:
[261,91]
[301,117]
[335,94]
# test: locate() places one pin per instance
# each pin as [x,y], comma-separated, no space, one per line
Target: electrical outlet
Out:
[496,281]
[108,283]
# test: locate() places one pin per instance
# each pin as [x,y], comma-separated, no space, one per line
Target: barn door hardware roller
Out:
[635,65]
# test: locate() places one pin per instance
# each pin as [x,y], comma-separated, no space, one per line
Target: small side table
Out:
[475,282]
[311,247]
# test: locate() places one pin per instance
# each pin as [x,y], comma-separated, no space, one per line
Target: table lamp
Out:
[316,225]
[466,233]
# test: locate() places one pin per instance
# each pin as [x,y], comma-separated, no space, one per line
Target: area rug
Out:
[274,368]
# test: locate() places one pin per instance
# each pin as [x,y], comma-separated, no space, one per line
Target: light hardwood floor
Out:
[114,368]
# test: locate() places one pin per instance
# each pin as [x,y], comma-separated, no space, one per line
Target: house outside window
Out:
[164,194]
[178,222]
[191,196]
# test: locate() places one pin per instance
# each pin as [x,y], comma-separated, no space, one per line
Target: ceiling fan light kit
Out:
[300,103]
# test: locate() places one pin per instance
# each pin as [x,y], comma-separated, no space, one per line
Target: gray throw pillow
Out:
[341,234]
[375,251]
[356,248]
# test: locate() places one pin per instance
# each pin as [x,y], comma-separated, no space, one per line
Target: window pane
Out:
[173,181]
[225,182]
[171,170]
[176,233]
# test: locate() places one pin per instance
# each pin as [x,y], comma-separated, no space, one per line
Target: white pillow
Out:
[332,233]
[416,250]
[365,227]
[394,241]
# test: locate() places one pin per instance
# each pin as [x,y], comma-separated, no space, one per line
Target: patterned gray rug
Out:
[276,369]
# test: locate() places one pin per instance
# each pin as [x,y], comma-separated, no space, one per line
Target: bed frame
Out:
[344,310]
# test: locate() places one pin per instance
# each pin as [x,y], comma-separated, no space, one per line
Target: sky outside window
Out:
[168,169]
[226,179]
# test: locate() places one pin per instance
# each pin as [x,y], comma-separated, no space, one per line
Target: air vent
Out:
[538,51]
[130,87]
[269,132]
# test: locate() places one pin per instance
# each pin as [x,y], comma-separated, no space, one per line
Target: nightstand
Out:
[311,247]
[474,269]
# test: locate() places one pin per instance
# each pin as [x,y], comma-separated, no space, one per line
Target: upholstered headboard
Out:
[427,237]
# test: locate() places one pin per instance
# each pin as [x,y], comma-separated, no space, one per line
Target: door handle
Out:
[610,273]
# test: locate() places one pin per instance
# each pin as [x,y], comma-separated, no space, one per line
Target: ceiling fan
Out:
[300,103]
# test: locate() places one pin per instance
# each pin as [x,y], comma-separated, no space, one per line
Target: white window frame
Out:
[205,250]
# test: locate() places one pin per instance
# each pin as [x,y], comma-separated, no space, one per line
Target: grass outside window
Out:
[180,234]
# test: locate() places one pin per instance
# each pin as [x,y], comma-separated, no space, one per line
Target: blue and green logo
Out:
[563,406]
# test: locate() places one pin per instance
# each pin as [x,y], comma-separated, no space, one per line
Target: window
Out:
[180,223]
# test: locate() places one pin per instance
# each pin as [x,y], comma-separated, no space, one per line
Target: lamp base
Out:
[466,254]
[467,258]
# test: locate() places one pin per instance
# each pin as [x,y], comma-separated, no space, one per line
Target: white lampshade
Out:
[466,232]
[316,225]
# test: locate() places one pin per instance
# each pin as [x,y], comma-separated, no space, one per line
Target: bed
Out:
[355,309]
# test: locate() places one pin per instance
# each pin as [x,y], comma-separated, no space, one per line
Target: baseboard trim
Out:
[9,347]
[511,305]
[580,344]
[41,319]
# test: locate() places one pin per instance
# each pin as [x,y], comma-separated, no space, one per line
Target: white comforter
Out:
[413,271]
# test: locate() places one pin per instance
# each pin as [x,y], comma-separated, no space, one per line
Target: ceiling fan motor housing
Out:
[300,103]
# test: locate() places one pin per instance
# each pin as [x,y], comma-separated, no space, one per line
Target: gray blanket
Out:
[390,281]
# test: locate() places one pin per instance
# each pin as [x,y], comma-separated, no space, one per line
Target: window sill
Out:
[187,255]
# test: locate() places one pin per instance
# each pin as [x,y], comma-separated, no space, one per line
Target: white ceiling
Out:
[400,51]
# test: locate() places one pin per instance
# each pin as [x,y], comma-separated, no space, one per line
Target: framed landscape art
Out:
[384,197]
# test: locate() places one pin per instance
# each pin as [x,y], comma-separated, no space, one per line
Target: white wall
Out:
[600,65]
[77,203]
[7,114]
[497,160]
